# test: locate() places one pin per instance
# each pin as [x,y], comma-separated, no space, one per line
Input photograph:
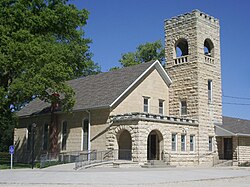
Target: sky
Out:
[119,26]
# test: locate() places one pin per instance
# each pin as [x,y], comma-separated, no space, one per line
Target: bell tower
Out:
[193,63]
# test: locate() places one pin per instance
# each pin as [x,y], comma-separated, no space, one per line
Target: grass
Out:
[15,166]
[5,162]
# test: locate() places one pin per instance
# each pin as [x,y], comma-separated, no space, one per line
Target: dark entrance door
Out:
[152,147]
[228,148]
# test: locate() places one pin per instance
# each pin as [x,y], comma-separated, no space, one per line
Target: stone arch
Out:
[208,48]
[120,133]
[180,47]
[124,145]
[155,145]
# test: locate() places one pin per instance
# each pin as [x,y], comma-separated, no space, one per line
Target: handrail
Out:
[103,156]
[63,157]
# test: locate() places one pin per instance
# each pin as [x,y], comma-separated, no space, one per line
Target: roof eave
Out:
[162,72]
[59,112]
[242,134]
[226,131]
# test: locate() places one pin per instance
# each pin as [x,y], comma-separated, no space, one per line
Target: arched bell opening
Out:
[208,48]
[181,48]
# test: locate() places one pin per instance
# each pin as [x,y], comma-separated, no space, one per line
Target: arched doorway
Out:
[125,146]
[155,145]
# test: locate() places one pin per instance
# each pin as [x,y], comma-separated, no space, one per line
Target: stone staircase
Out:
[111,164]
[156,164]
[224,163]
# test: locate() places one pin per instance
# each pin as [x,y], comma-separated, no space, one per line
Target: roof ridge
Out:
[117,70]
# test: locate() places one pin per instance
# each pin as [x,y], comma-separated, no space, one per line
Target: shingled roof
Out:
[101,90]
[234,127]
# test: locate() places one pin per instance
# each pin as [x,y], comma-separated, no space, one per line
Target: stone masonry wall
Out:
[140,131]
[244,150]
[209,112]
[190,77]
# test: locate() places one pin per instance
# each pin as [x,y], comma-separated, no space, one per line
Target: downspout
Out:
[89,146]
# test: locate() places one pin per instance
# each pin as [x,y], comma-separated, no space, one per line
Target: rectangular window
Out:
[183,108]
[183,142]
[45,136]
[210,143]
[28,136]
[161,106]
[64,135]
[85,132]
[174,145]
[192,142]
[146,104]
[210,90]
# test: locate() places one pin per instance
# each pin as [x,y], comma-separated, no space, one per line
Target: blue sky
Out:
[117,27]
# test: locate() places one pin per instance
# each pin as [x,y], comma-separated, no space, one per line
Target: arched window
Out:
[45,136]
[181,48]
[64,134]
[208,48]
[85,134]
[28,136]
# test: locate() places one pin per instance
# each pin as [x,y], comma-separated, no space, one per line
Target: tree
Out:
[144,53]
[42,45]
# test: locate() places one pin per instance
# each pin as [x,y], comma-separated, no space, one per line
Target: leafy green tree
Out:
[144,53]
[42,45]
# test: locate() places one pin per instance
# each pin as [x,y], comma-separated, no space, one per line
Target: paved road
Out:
[64,176]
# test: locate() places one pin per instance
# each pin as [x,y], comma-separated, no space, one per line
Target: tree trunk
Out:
[53,134]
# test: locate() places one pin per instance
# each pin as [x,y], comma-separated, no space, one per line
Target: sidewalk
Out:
[64,176]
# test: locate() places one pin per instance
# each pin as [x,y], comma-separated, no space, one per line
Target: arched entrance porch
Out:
[155,145]
[124,145]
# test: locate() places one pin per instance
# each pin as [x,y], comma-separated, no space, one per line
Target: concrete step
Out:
[113,164]
[224,163]
[156,164]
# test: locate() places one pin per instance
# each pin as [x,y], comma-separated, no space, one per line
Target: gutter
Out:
[60,112]
[241,134]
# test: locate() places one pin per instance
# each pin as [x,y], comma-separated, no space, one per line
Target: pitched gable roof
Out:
[235,126]
[101,90]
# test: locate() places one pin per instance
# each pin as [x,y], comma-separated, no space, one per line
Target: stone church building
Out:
[148,111]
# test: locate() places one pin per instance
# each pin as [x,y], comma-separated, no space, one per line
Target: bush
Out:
[4,158]
[245,164]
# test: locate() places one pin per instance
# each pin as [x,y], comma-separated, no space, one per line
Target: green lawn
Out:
[15,166]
